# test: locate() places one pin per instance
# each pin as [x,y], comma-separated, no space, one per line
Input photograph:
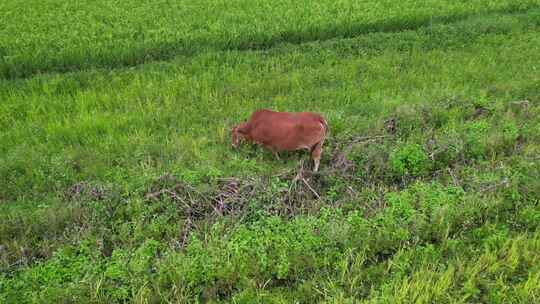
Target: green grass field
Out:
[118,183]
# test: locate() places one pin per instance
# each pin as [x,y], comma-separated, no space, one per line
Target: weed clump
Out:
[409,160]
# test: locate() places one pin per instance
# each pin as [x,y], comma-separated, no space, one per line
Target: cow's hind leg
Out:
[316,154]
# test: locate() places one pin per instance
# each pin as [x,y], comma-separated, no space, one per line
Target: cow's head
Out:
[234,137]
[238,133]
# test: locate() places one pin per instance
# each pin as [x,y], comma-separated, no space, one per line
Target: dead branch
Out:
[490,188]
[455,180]
[185,232]
[310,188]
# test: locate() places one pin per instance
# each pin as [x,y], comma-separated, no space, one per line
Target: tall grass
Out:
[62,36]
[176,116]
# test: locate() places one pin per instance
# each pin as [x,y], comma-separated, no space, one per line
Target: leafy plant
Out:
[409,160]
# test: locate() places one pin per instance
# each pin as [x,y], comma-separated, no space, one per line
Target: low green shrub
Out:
[409,160]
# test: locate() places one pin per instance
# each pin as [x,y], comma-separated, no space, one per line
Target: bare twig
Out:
[185,232]
[455,180]
[310,188]
[361,140]
[366,139]
[504,182]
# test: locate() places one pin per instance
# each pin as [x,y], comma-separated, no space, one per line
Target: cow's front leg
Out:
[276,154]
[273,150]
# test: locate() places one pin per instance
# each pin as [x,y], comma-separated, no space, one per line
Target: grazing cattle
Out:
[284,131]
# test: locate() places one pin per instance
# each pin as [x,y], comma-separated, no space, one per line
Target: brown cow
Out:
[284,131]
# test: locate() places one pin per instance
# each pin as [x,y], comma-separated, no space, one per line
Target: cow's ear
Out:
[241,128]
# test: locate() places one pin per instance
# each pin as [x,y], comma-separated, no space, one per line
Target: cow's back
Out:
[286,130]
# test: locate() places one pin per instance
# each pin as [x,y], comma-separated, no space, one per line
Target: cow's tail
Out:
[325,125]
[323,122]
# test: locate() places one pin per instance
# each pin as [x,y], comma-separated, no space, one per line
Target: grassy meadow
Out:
[118,182]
